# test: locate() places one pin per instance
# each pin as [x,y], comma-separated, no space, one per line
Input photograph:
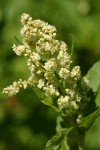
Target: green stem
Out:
[81,140]
[76,140]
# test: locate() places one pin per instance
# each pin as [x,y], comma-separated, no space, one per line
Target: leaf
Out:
[93,76]
[49,101]
[72,47]
[58,122]
[64,145]
[97,100]
[58,141]
[89,120]
[17,40]
[39,93]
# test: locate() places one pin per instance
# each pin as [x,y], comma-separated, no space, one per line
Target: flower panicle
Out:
[48,62]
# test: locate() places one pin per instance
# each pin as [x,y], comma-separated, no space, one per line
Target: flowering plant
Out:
[56,82]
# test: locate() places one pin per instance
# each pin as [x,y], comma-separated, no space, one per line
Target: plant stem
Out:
[76,140]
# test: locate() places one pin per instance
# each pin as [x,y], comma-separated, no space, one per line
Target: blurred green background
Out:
[25,123]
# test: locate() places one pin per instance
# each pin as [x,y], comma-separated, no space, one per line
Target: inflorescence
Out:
[50,66]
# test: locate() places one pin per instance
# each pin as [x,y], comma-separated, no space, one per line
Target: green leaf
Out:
[89,120]
[58,141]
[93,76]
[17,40]
[58,122]
[39,93]
[97,100]
[52,103]
[64,145]
[72,47]
[49,101]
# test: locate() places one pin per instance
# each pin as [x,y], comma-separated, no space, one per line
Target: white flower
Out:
[63,46]
[74,105]
[51,90]
[64,73]
[25,18]
[63,57]
[25,31]
[48,29]
[50,65]
[78,120]
[35,57]
[11,90]
[31,80]
[63,102]
[40,84]
[76,73]
[14,88]
[38,23]
[85,80]
[19,50]
[77,97]
[31,66]
[44,46]
[24,83]
[70,92]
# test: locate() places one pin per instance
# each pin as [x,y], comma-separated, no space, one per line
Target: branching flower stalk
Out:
[51,69]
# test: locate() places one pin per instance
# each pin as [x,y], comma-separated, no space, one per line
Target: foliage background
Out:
[25,123]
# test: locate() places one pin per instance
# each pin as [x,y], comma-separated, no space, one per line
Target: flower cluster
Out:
[49,64]
[14,88]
